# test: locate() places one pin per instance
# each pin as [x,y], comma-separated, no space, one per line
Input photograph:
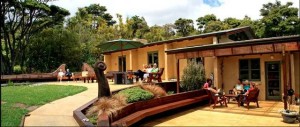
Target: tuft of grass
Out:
[30,96]
[107,105]
[155,89]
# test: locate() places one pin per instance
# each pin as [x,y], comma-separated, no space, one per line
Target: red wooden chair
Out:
[217,99]
[156,76]
[252,97]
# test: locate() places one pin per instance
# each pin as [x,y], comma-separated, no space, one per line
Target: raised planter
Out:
[289,117]
[135,112]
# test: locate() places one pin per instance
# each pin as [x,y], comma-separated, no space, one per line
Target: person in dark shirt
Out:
[68,74]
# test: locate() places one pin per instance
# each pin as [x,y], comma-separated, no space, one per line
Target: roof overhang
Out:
[254,46]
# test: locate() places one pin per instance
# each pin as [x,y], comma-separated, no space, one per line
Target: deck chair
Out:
[252,97]
[156,76]
[217,99]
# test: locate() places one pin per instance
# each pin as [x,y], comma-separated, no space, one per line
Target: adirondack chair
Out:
[252,97]
[156,76]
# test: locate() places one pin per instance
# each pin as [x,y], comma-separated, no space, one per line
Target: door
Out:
[122,60]
[273,83]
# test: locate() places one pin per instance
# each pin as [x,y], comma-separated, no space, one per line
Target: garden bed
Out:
[135,112]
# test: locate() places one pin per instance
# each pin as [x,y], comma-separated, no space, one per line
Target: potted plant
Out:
[288,115]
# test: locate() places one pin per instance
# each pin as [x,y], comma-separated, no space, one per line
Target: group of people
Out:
[147,69]
[61,74]
[241,88]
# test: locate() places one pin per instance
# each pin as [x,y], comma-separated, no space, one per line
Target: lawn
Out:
[17,100]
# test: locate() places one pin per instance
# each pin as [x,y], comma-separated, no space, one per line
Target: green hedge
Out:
[136,94]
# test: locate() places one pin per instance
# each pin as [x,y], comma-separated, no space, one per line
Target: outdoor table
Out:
[229,96]
[121,78]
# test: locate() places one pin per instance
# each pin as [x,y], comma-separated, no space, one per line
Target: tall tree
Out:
[203,21]
[52,47]
[184,27]
[138,26]
[279,20]
[99,11]
[20,19]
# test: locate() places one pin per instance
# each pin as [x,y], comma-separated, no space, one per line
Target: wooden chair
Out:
[252,97]
[110,75]
[156,76]
[218,100]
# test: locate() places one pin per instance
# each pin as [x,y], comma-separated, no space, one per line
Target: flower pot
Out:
[289,117]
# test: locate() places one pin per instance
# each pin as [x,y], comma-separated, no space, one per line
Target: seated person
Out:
[141,73]
[68,74]
[246,85]
[238,88]
[60,75]
[207,84]
[252,88]
[148,70]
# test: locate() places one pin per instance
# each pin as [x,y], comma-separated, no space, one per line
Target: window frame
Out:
[250,69]
[152,57]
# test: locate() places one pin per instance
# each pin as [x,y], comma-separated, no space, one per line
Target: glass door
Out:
[273,81]
[122,60]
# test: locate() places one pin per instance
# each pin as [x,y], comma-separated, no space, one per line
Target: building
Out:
[150,53]
[227,55]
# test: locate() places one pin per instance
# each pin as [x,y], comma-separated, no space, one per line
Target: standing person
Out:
[60,75]
[68,74]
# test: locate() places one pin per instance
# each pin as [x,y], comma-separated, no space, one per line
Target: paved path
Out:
[60,112]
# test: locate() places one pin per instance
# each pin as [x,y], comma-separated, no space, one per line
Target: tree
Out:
[231,23]
[184,27]
[52,47]
[279,20]
[99,11]
[214,26]
[138,26]
[203,21]
[20,19]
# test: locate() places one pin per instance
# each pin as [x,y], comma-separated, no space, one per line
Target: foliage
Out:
[184,27]
[156,90]
[136,94]
[203,21]
[193,76]
[51,48]
[20,19]
[42,25]
[279,20]
[30,96]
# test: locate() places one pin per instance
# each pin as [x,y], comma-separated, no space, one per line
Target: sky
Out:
[160,12]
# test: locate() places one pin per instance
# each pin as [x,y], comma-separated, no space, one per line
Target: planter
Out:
[289,117]
[145,108]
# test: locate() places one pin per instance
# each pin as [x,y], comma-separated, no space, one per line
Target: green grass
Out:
[30,96]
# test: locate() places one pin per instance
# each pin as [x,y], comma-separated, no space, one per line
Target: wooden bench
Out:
[137,111]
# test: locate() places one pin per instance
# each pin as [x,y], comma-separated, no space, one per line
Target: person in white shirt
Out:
[60,75]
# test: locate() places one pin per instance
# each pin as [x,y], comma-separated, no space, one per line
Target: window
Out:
[199,60]
[250,69]
[153,58]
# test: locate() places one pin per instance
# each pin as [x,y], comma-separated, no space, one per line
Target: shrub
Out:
[136,94]
[157,91]
[193,76]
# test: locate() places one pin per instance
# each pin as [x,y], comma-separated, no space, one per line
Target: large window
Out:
[250,69]
[153,58]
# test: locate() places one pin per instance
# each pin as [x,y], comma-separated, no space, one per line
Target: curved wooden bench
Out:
[139,115]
